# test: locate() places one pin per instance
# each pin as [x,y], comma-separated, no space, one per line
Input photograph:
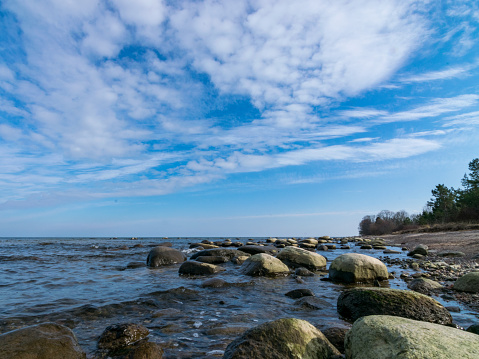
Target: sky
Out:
[231,118]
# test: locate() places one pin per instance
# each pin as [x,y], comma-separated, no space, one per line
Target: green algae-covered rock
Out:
[424,285]
[355,267]
[298,257]
[263,264]
[360,302]
[468,283]
[286,338]
[383,336]
[43,341]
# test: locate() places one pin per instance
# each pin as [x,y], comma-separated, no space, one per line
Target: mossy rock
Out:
[468,283]
[355,267]
[298,257]
[360,302]
[263,264]
[286,338]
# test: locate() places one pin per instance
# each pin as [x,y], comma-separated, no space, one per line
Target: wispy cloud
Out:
[455,72]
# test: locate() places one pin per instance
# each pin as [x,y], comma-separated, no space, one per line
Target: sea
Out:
[88,284]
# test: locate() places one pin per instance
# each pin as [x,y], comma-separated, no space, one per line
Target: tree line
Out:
[447,205]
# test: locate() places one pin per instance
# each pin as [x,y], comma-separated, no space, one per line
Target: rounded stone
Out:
[263,264]
[298,257]
[161,256]
[355,267]
[118,336]
[468,283]
[198,268]
[424,285]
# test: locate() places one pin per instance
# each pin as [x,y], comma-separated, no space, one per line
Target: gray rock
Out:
[286,338]
[451,254]
[381,336]
[303,272]
[336,336]
[359,302]
[468,283]
[214,283]
[312,303]
[299,293]
[355,267]
[473,329]
[298,257]
[43,341]
[263,264]
[161,256]
[424,285]
[229,253]
[420,249]
[212,259]
[118,336]
[198,268]
[254,249]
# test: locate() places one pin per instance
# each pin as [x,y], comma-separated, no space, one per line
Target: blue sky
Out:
[230,118]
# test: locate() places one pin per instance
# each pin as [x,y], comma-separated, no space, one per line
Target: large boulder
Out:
[424,285]
[118,336]
[198,268]
[355,267]
[254,249]
[468,283]
[420,249]
[162,256]
[43,341]
[360,302]
[382,336]
[298,257]
[263,264]
[286,338]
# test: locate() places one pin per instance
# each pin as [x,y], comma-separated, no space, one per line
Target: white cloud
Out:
[455,72]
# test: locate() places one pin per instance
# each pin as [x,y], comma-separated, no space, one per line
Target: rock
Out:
[391,251]
[468,283]
[359,302]
[336,336]
[303,272]
[214,283]
[312,303]
[198,268]
[420,249]
[282,338]
[382,336]
[228,253]
[299,293]
[473,329]
[298,257]
[143,350]
[118,336]
[203,245]
[263,264]
[366,246]
[355,267]
[254,249]
[212,259]
[134,265]
[239,259]
[161,256]
[42,341]
[451,254]
[424,285]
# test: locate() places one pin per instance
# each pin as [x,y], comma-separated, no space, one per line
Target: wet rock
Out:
[303,272]
[202,245]
[382,336]
[453,254]
[298,257]
[255,249]
[198,268]
[299,293]
[424,285]
[161,256]
[421,249]
[391,251]
[121,335]
[453,309]
[134,265]
[366,246]
[43,341]
[468,283]
[212,259]
[473,329]
[239,259]
[311,303]
[354,267]
[359,302]
[214,283]
[336,336]
[263,265]
[282,338]
[228,253]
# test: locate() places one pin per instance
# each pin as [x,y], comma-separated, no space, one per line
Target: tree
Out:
[468,199]
[443,204]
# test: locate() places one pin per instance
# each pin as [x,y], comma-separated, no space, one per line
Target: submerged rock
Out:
[359,302]
[43,341]
[283,338]
[382,336]
[298,257]
[468,283]
[228,253]
[355,267]
[161,256]
[299,293]
[121,335]
[198,268]
[254,249]
[263,265]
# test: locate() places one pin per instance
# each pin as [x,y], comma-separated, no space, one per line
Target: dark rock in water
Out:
[424,285]
[198,268]
[420,249]
[336,336]
[229,253]
[119,336]
[143,350]
[366,246]
[282,338]
[303,272]
[359,302]
[299,293]
[214,283]
[212,259]
[453,309]
[263,264]
[312,303]
[43,341]
[254,249]
[161,256]
[202,245]
[133,265]
[473,329]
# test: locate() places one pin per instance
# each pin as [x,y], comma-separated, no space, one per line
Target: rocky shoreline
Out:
[415,324]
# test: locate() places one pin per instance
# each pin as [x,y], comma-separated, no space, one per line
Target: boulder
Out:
[286,338]
[254,249]
[263,264]
[355,267]
[336,336]
[382,336]
[228,253]
[42,341]
[299,293]
[303,272]
[214,283]
[162,256]
[118,336]
[212,259]
[468,283]
[473,329]
[198,268]
[451,254]
[421,249]
[298,257]
[311,303]
[424,285]
[359,302]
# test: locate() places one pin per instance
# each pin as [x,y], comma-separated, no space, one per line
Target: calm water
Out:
[85,283]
